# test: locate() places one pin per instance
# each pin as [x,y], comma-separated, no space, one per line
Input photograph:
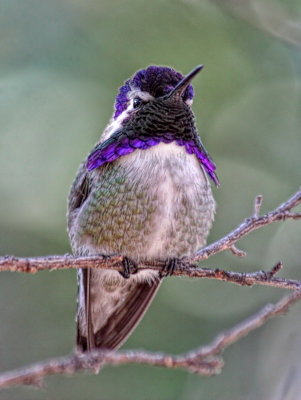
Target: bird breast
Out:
[151,203]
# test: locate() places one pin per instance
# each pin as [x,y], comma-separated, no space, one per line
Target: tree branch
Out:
[281,213]
[204,360]
[50,263]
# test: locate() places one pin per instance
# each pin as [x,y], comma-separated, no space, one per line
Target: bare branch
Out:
[280,213]
[204,360]
[257,206]
[224,340]
[237,252]
[244,279]
[32,265]
[51,263]
[275,269]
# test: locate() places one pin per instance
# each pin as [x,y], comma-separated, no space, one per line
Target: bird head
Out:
[153,106]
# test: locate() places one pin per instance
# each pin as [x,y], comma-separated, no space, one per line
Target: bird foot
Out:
[129,268]
[169,267]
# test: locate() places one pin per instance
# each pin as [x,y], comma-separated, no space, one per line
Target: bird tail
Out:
[105,319]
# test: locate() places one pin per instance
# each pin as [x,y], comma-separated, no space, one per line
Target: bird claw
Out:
[169,267]
[129,268]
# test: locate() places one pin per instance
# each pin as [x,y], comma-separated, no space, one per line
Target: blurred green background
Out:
[61,65]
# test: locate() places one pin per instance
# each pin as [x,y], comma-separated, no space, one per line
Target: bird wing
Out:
[79,192]
[97,305]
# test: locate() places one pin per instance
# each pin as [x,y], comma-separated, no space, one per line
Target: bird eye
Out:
[137,102]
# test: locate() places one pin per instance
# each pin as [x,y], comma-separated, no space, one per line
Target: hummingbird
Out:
[142,192]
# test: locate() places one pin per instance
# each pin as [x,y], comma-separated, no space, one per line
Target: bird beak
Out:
[178,90]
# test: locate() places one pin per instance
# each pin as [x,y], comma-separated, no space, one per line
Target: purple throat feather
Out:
[113,148]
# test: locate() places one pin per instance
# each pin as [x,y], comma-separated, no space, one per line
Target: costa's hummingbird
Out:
[142,192]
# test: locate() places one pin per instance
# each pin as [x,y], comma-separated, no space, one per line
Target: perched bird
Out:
[143,193]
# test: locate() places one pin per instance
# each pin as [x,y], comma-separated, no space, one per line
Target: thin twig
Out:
[257,206]
[205,360]
[237,252]
[280,213]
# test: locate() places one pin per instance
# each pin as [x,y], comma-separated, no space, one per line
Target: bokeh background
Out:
[61,65]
